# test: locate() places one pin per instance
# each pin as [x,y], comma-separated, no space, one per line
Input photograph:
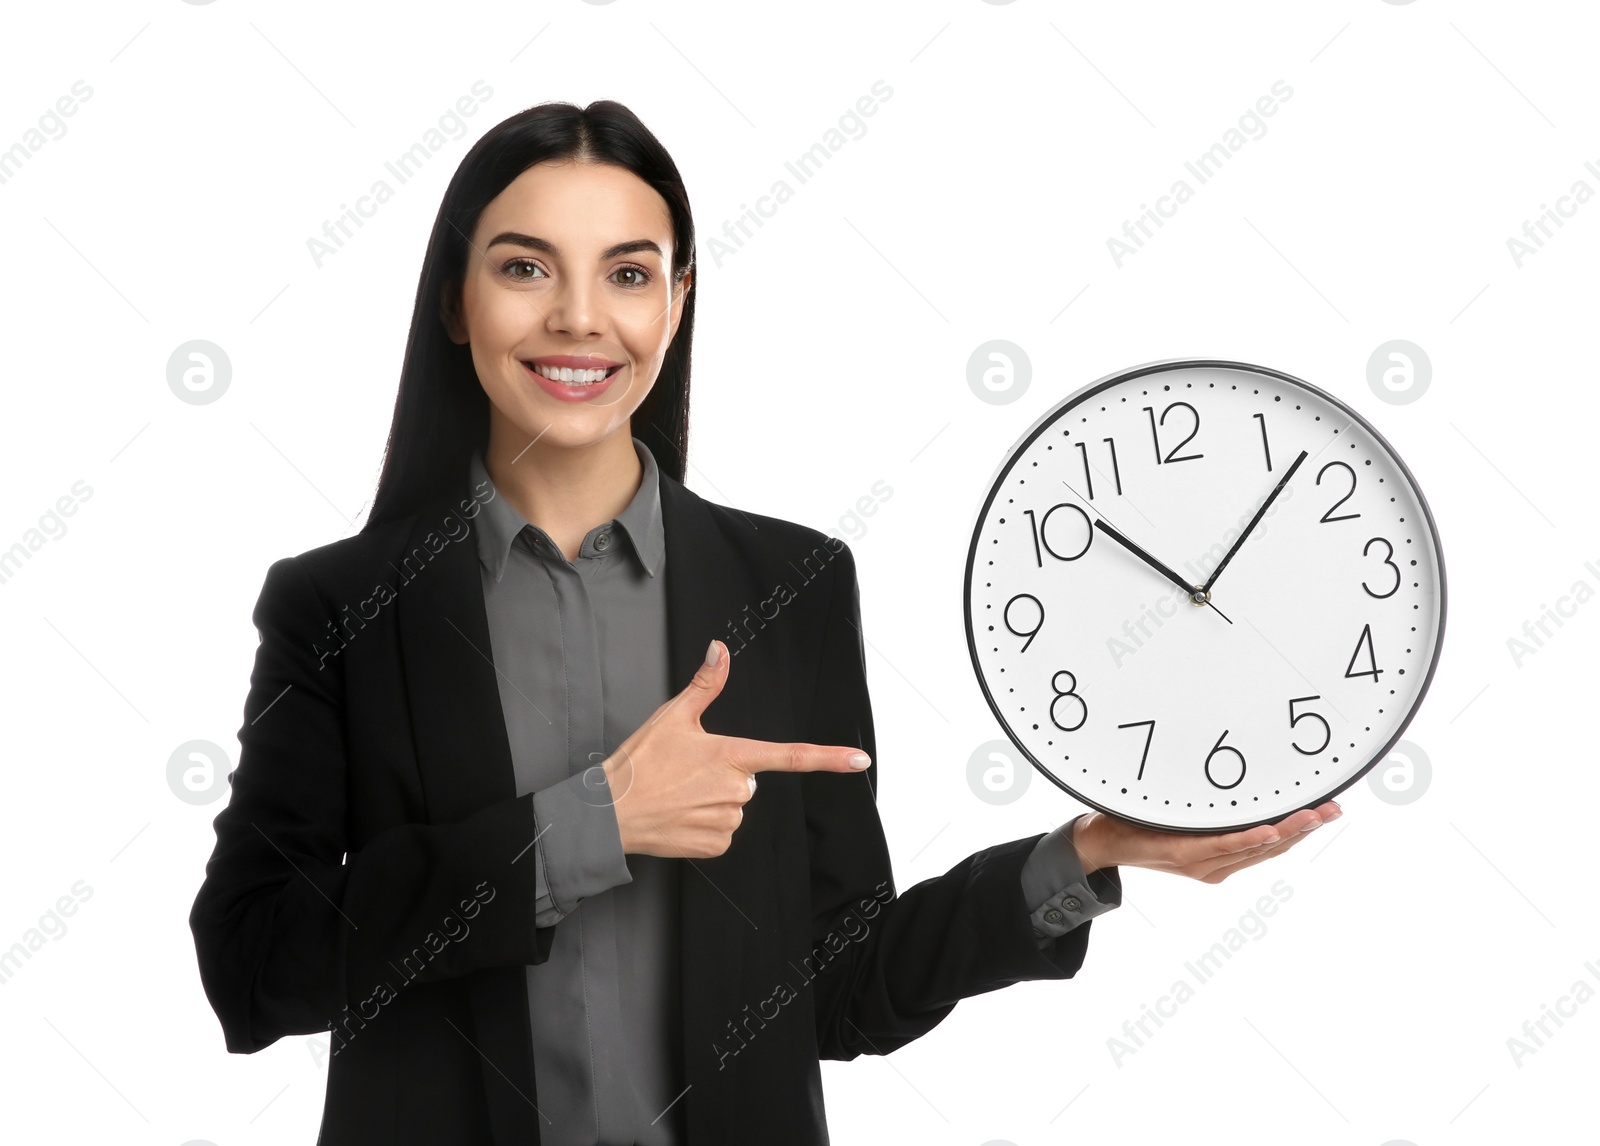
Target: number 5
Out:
[1327,733]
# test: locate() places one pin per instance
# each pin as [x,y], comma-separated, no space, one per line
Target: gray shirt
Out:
[580,653]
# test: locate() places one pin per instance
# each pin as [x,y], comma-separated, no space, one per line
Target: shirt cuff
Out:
[579,849]
[1056,890]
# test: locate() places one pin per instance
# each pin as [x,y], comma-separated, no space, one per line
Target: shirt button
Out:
[1054,916]
[602,541]
[1071,903]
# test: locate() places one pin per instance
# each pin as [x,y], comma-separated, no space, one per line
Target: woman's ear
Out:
[681,294]
[450,312]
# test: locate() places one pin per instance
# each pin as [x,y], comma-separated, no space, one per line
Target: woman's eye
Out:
[508,271]
[641,276]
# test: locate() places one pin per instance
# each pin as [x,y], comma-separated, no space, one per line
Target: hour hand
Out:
[1115,535]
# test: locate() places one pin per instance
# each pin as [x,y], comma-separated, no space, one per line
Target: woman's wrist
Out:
[1086,839]
[610,768]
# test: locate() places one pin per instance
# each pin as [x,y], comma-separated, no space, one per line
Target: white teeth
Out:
[571,376]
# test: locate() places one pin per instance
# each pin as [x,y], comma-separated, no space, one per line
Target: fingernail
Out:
[711,654]
[1312,824]
[860,760]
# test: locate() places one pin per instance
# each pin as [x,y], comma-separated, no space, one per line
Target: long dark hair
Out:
[441,413]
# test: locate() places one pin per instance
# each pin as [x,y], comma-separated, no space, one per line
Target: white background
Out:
[831,353]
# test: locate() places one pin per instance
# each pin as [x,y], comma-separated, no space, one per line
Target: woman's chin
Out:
[560,426]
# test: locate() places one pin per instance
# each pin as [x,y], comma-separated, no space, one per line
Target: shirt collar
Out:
[640,519]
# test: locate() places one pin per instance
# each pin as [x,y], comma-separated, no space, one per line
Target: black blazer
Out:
[365,876]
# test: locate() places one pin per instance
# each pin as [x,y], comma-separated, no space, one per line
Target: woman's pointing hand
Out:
[679,790]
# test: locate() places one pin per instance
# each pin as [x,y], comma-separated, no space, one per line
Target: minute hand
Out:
[1277,489]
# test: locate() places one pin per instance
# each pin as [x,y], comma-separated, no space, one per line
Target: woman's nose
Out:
[574,309]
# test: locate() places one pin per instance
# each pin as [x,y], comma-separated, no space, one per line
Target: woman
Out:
[496,823]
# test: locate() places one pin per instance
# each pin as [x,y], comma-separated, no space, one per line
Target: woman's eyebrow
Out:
[632,246]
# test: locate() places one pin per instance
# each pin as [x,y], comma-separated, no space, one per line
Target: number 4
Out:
[1365,642]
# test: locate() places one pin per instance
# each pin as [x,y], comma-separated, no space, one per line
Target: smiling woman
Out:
[587,321]
[546,712]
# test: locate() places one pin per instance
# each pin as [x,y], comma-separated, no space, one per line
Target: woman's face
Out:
[569,274]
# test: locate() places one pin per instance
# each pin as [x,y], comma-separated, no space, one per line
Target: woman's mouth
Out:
[572,378]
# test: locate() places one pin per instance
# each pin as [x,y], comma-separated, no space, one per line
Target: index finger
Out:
[797,756]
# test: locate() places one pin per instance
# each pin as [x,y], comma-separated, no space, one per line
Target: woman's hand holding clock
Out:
[680,790]
[1107,841]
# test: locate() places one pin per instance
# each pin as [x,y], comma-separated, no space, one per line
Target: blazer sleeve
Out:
[891,967]
[288,929]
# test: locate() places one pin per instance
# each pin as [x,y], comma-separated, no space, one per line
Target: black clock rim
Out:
[1071,401]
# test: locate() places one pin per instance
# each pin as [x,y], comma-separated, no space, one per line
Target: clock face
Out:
[1189,711]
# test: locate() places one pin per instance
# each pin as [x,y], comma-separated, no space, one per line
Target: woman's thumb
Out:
[708,679]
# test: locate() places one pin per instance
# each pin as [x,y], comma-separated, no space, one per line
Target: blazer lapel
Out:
[464,758]
[699,607]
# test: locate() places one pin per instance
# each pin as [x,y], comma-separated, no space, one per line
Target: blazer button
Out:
[1054,916]
[1071,903]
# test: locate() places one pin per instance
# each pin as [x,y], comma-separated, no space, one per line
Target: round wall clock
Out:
[1202,595]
